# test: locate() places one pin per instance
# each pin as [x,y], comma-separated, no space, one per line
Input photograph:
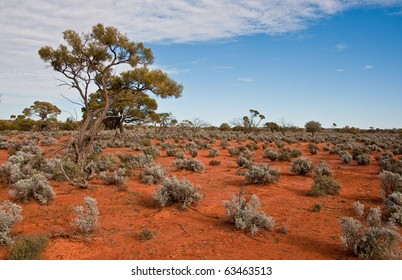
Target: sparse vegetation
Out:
[246,216]
[261,174]
[174,191]
[10,214]
[87,216]
[301,166]
[28,248]
[368,237]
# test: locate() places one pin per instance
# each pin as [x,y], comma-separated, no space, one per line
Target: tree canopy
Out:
[92,60]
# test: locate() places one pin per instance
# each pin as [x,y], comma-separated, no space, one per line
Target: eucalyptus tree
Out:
[90,63]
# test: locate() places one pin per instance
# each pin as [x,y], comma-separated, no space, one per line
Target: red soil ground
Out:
[202,232]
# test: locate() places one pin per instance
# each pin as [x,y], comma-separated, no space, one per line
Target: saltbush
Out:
[301,166]
[10,214]
[390,182]
[246,216]
[271,154]
[261,174]
[393,204]
[152,174]
[36,187]
[346,157]
[322,169]
[324,184]
[368,237]
[188,164]
[174,191]
[86,218]
[117,178]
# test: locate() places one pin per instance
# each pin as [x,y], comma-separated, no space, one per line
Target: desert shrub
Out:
[324,184]
[246,216]
[294,153]
[117,178]
[387,162]
[135,161]
[323,169]
[316,207]
[364,159]
[188,164]
[87,216]
[213,152]
[393,204]
[70,168]
[271,154]
[313,148]
[242,161]
[234,151]
[368,237]
[47,141]
[390,182]
[261,174]
[28,248]
[152,174]
[10,214]
[326,147]
[36,187]
[104,162]
[214,162]
[193,152]
[174,191]
[284,156]
[153,151]
[301,166]
[145,234]
[346,157]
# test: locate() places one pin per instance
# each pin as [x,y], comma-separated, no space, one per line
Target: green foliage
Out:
[313,127]
[324,184]
[246,216]
[316,207]
[145,234]
[28,248]
[174,191]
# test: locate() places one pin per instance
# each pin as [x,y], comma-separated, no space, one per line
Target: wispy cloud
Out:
[367,67]
[341,47]
[245,80]
[340,70]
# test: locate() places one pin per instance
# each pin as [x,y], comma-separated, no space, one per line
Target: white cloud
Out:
[27,25]
[245,80]
[341,47]
[367,67]
[340,70]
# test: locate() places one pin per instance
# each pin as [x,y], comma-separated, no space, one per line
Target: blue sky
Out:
[294,61]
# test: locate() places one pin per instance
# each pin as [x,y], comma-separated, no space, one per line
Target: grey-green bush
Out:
[87,216]
[36,187]
[324,184]
[301,166]
[180,192]
[261,174]
[152,174]
[188,164]
[10,214]
[393,204]
[246,216]
[390,182]
[368,237]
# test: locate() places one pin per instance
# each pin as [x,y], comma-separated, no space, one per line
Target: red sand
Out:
[202,232]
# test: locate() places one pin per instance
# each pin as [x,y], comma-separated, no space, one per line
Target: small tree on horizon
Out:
[45,111]
[313,127]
